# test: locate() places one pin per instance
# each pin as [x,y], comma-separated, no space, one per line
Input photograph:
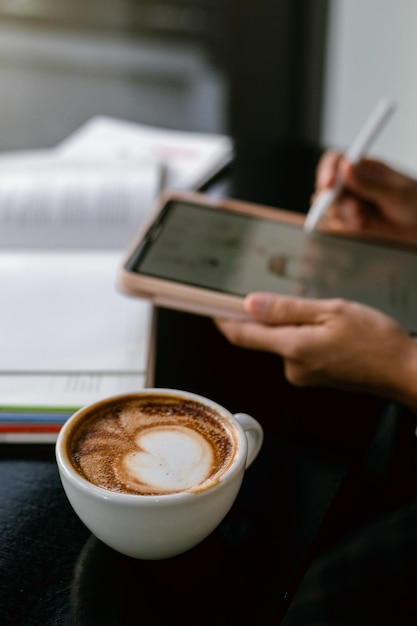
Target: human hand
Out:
[376,200]
[333,343]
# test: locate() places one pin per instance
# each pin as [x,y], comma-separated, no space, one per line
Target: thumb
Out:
[279,310]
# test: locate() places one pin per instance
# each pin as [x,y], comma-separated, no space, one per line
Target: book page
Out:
[66,392]
[51,202]
[61,314]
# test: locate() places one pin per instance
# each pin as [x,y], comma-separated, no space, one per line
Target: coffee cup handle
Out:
[254,434]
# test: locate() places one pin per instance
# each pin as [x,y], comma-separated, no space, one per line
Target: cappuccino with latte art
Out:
[153,445]
[153,473]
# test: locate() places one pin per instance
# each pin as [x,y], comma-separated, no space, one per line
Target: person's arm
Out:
[376,199]
[333,343]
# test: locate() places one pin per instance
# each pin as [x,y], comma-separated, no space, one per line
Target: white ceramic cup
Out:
[163,524]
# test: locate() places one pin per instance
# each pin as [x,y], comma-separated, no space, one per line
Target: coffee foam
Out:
[153,445]
[169,458]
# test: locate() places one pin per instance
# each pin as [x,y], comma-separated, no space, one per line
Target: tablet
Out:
[204,255]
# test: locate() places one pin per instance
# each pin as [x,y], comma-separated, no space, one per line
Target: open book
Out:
[96,188]
[67,336]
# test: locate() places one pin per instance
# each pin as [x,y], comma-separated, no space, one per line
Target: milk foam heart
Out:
[154,445]
[169,458]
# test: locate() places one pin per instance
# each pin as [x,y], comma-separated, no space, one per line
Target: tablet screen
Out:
[237,253]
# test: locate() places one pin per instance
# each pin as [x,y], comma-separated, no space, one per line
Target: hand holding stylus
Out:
[355,152]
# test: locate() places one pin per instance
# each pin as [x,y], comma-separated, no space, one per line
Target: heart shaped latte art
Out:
[169,458]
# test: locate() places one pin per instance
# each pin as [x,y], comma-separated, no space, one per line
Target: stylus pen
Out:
[354,153]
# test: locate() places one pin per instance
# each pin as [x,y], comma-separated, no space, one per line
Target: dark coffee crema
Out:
[153,445]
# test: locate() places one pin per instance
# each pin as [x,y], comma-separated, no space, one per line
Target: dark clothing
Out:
[370,576]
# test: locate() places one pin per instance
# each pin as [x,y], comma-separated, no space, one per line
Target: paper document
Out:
[48,202]
[63,392]
[189,159]
[67,338]
[61,312]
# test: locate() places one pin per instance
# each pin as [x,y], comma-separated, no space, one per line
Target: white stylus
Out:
[354,153]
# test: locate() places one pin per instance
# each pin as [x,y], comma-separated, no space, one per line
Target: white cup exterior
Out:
[158,527]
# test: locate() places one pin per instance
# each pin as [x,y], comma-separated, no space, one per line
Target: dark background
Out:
[250,68]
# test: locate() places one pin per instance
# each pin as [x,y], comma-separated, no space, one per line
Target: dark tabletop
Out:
[296,497]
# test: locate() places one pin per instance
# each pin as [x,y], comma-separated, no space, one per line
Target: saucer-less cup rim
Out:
[245,456]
